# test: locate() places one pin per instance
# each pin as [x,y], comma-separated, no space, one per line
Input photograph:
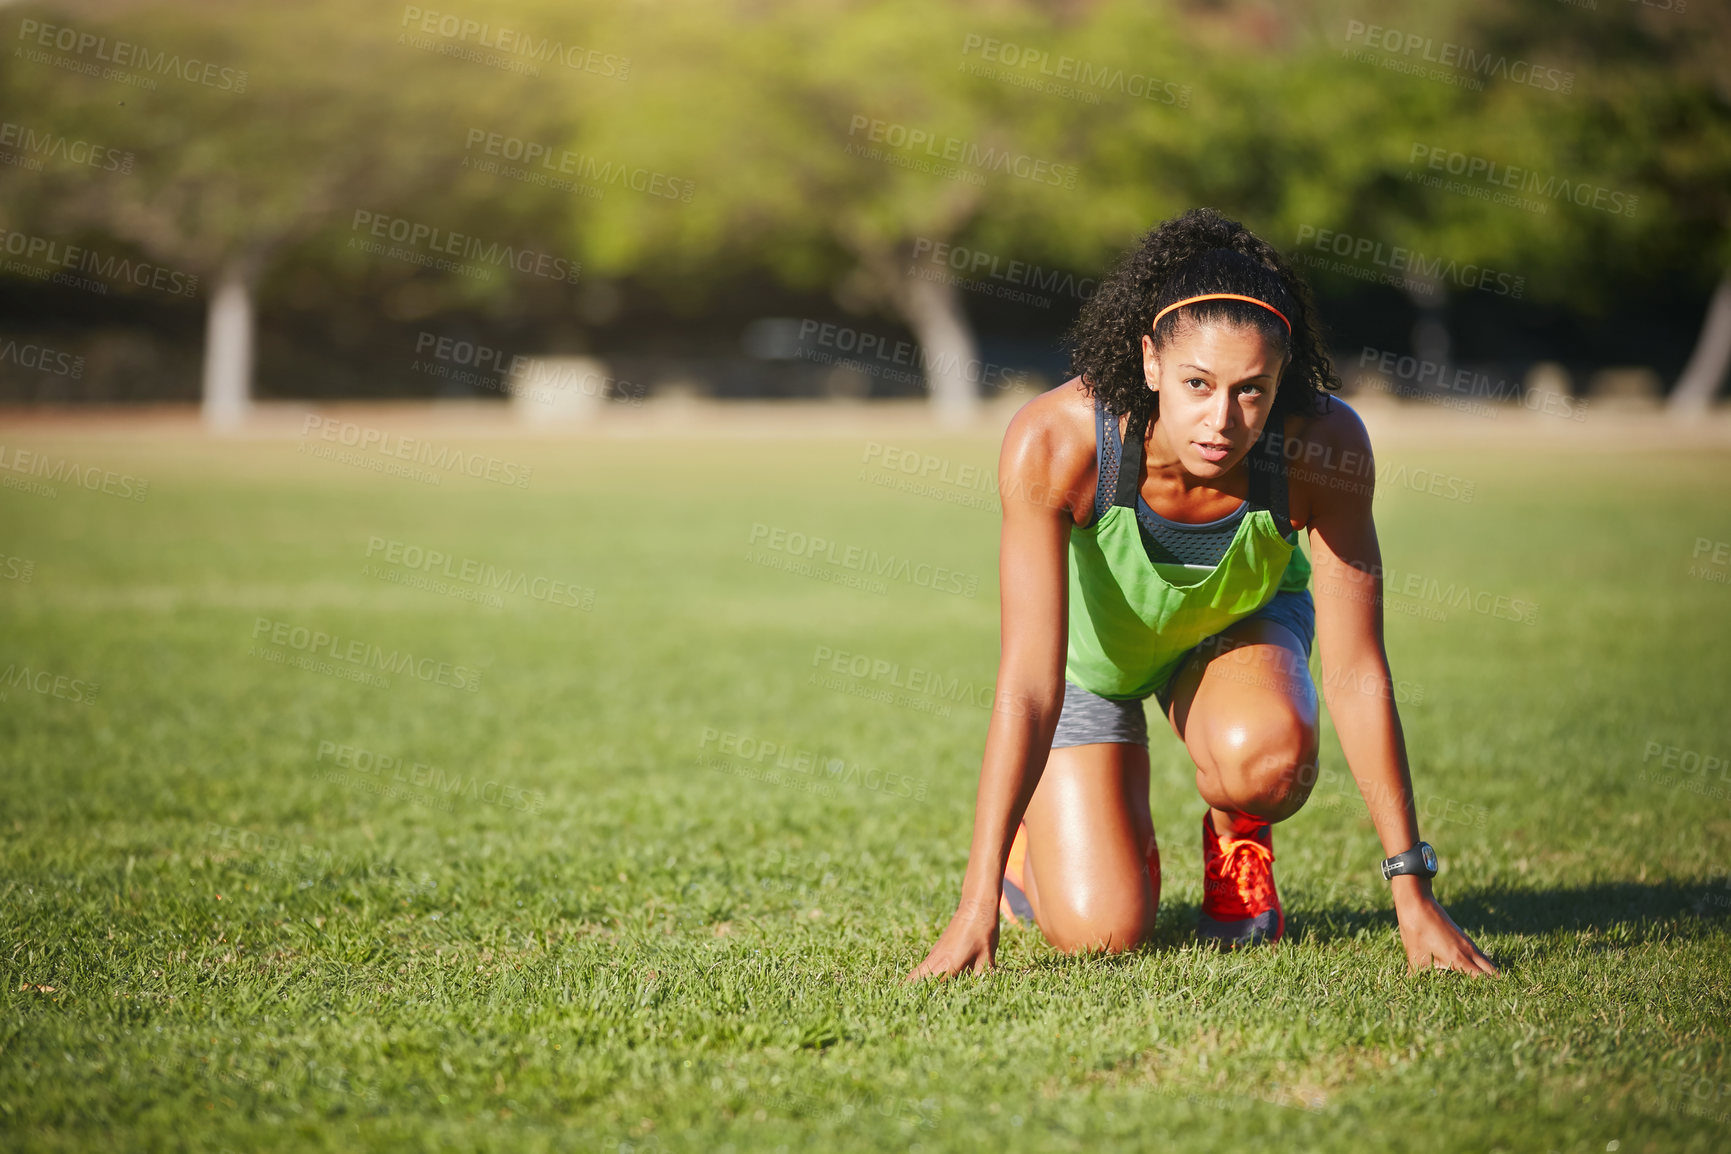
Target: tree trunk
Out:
[228,346]
[1702,376]
[933,310]
[1430,335]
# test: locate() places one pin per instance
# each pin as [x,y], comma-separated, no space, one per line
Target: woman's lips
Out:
[1212,453]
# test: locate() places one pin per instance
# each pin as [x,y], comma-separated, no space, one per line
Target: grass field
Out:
[544,888]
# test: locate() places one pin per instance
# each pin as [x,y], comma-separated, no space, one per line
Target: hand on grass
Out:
[1432,939]
[969,942]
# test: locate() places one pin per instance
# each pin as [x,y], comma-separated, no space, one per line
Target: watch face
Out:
[1429,856]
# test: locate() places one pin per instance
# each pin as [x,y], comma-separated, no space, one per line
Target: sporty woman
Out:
[1149,548]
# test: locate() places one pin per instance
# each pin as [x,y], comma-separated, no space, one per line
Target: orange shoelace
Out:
[1245,885]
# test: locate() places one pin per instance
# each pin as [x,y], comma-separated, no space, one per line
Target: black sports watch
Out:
[1420,860]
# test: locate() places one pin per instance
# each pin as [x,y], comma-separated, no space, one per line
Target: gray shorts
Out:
[1089,719]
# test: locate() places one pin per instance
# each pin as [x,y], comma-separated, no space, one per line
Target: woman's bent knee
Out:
[1113,926]
[1265,767]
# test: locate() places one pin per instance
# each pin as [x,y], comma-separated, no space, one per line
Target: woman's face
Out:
[1216,384]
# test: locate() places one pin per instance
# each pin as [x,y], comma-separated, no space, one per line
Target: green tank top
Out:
[1132,619]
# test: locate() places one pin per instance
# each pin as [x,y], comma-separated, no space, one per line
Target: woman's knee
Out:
[1264,765]
[1096,905]
[1113,924]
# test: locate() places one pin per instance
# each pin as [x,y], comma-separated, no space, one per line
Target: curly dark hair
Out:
[1199,252]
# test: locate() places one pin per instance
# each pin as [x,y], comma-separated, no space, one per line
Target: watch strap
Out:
[1410,862]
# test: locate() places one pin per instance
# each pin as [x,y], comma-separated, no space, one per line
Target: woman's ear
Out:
[1150,363]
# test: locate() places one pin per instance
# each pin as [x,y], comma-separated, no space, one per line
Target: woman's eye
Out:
[1197,383]
[1251,391]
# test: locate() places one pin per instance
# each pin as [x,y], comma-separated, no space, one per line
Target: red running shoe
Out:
[1239,904]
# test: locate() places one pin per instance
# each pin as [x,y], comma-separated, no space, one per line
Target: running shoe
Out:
[1013,902]
[1239,904]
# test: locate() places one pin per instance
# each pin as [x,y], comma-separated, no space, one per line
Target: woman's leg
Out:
[1246,710]
[1092,873]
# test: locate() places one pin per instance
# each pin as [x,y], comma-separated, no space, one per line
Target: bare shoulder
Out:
[1048,453]
[1336,426]
[1328,460]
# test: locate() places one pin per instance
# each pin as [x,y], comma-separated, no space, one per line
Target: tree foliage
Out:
[824,143]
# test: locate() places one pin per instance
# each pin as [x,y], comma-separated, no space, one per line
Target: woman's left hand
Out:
[1432,939]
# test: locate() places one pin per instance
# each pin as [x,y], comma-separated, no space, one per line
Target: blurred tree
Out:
[831,144]
[1634,160]
[1576,149]
[257,129]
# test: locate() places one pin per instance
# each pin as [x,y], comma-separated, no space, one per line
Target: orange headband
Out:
[1222,297]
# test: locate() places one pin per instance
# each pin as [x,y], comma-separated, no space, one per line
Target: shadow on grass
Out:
[1638,911]
[1628,913]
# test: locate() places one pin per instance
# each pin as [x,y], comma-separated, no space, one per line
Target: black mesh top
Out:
[1202,544]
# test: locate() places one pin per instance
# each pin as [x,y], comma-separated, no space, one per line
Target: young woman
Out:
[1149,548]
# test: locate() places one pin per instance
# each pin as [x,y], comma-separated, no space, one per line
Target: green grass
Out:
[209,942]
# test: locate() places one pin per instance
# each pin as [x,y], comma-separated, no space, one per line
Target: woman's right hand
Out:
[969,942]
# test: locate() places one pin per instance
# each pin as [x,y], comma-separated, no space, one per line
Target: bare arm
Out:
[1033,587]
[1356,683]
